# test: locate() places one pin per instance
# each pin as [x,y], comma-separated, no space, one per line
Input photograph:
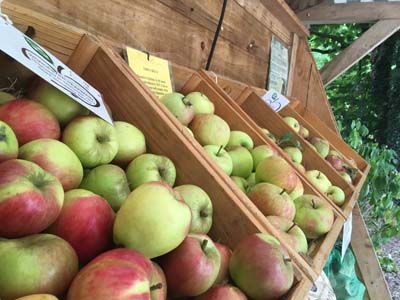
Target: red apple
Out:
[225,253]
[30,198]
[335,161]
[29,120]
[86,222]
[223,292]
[119,274]
[158,284]
[191,269]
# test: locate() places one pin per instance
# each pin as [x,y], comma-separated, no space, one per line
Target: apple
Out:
[188,130]
[335,161]
[290,233]
[241,183]
[225,253]
[29,120]
[321,145]
[153,220]
[336,194]
[86,223]
[56,158]
[251,181]
[158,284]
[268,134]
[276,170]
[261,152]
[62,106]
[292,122]
[131,143]
[298,190]
[242,161]
[191,269]
[300,168]
[6,97]
[294,153]
[150,167]
[210,130]
[201,103]
[313,215]
[30,198]
[36,264]
[220,157]
[222,292]
[92,139]
[346,177]
[38,297]
[179,106]
[304,132]
[261,268]
[200,205]
[8,142]
[108,181]
[272,200]
[119,274]
[240,138]
[319,180]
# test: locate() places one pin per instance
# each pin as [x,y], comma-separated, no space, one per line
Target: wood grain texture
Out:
[292,64]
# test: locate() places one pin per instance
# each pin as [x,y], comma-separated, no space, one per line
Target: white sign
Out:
[347,229]
[278,67]
[40,61]
[275,100]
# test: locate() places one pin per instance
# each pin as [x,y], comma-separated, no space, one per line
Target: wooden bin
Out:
[131,101]
[319,249]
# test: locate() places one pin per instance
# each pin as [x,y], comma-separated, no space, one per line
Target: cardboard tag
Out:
[154,71]
[279,66]
[322,289]
[48,67]
[347,229]
[275,100]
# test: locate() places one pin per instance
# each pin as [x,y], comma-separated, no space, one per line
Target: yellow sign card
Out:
[154,71]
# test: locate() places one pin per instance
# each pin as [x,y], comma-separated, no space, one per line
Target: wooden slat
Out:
[370,39]
[302,73]
[292,66]
[329,13]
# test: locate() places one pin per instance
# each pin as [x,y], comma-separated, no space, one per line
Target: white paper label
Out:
[279,66]
[347,229]
[275,100]
[47,66]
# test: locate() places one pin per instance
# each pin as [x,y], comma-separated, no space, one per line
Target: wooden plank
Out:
[293,66]
[83,54]
[370,39]
[329,13]
[367,260]
[302,73]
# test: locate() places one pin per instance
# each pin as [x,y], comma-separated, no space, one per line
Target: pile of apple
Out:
[85,213]
[267,179]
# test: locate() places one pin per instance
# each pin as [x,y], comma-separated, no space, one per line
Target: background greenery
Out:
[366,104]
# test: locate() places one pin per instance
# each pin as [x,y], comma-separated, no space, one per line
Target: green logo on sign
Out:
[38,50]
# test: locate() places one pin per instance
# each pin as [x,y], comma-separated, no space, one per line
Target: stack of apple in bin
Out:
[85,213]
[267,179]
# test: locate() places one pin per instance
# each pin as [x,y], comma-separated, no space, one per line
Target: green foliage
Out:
[388,264]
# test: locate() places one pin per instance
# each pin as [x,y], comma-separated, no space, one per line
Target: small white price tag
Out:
[47,66]
[347,229]
[275,100]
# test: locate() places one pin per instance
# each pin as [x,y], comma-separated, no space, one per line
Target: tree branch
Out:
[335,38]
[323,51]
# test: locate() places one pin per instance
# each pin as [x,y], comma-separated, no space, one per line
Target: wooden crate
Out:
[131,101]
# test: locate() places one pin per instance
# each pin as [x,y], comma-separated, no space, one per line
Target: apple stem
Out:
[282,192]
[319,175]
[203,214]
[313,203]
[3,135]
[157,286]
[287,259]
[219,150]
[204,244]
[186,102]
[291,227]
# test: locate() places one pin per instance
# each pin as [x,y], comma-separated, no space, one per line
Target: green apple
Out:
[294,153]
[38,297]
[240,138]
[319,180]
[220,157]
[150,167]
[241,183]
[8,142]
[210,130]
[201,103]
[300,168]
[92,139]
[108,181]
[36,264]
[304,132]
[292,122]
[276,170]
[336,194]
[298,190]
[131,143]
[261,152]
[179,106]
[153,220]
[5,97]
[251,180]
[321,145]
[201,206]
[346,176]
[62,106]
[188,130]
[242,161]
[313,215]
[268,134]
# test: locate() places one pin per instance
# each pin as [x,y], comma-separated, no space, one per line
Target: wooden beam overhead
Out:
[363,12]
[371,39]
